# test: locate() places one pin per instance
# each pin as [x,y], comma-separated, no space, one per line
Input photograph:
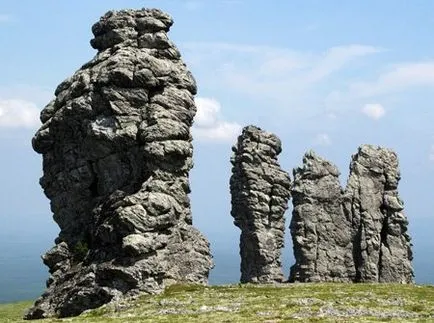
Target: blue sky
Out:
[322,75]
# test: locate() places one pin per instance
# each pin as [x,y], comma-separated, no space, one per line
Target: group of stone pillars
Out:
[356,234]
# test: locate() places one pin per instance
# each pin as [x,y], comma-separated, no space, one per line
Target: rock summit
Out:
[260,192]
[358,234]
[117,151]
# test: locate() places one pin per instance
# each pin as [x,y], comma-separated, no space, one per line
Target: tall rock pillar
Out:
[260,194]
[321,233]
[382,245]
[117,151]
[356,235]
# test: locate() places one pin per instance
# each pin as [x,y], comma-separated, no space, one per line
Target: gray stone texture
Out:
[357,235]
[117,152]
[260,192]
[382,245]
[321,233]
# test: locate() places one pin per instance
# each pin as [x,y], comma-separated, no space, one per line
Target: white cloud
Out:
[207,112]
[374,110]
[278,64]
[312,27]
[269,73]
[431,153]
[5,18]
[397,78]
[192,5]
[322,139]
[304,86]
[224,131]
[36,94]
[335,58]
[18,114]
[208,124]
[321,64]
[401,76]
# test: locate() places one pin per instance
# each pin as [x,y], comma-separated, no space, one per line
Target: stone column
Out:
[260,194]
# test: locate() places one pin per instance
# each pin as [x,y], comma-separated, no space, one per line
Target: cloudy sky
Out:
[322,75]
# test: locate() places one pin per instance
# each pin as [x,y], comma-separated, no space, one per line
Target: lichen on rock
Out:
[321,233]
[260,194]
[358,234]
[382,244]
[117,151]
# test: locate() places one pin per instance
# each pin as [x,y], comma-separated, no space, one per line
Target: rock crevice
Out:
[321,234]
[260,194]
[116,147]
[381,239]
[358,234]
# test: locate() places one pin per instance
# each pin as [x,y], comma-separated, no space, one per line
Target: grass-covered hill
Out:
[263,303]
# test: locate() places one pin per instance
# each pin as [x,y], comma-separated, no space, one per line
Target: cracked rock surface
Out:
[357,235]
[117,152]
[322,240]
[382,245]
[260,192]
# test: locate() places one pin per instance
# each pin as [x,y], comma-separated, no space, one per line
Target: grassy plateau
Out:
[316,302]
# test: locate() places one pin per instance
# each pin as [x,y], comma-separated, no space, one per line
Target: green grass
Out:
[13,312]
[330,302]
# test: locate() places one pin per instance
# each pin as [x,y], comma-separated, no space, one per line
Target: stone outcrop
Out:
[117,151]
[382,245]
[359,234]
[321,233]
[260,194]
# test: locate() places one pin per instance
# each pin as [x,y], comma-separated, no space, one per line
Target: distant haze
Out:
[322,75]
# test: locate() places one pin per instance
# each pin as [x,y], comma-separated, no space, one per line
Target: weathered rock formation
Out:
[359,234]
[321,233]
[382,245]
[260,194]
[117,151]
